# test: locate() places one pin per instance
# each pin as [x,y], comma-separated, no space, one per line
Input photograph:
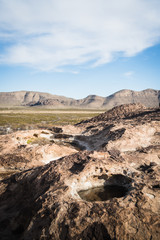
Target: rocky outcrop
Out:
[148,97]
[111,191]
[129,126]
[45,202]
[119,112]
[26,149]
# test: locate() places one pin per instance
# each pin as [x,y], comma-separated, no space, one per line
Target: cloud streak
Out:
[129,74]
[50,35]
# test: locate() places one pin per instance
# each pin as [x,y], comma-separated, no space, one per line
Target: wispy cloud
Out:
[128,74]
[49,35]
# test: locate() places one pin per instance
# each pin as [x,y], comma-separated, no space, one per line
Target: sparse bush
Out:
[29,141]
[39,141]
[26,121]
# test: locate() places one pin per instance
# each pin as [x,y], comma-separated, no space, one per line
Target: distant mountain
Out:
[30,98]
[148,97]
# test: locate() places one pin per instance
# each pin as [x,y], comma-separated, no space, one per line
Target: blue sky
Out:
[78,48]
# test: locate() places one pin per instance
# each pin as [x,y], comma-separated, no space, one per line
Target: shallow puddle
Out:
[103,193]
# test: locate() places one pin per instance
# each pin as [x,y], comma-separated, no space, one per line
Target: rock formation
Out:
[110,191]
[148,97]
[25,149]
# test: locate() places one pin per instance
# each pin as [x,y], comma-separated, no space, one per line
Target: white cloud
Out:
[48,35]
[128,74]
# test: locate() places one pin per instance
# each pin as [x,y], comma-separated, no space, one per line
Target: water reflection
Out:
[103,193]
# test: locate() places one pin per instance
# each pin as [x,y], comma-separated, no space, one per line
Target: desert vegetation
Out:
[22,119]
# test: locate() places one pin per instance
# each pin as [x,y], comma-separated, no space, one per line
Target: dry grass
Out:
[37,119]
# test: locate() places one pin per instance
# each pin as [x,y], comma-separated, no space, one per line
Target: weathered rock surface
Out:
[26,149]
[45,202]
[126,128]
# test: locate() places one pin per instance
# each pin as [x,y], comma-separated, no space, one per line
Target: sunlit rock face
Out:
[22,150]
[47,202]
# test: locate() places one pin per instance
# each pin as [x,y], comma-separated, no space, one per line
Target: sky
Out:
[76,48]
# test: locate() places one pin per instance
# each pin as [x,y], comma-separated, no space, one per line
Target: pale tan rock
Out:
[26,149]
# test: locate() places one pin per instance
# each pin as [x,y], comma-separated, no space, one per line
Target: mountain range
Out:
[148,97]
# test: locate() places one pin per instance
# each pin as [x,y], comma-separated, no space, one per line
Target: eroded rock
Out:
[46,202]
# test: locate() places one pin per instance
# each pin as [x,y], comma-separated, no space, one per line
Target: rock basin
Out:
[115,186]
[103,193]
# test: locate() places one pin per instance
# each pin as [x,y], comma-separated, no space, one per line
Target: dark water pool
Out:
[103,193]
